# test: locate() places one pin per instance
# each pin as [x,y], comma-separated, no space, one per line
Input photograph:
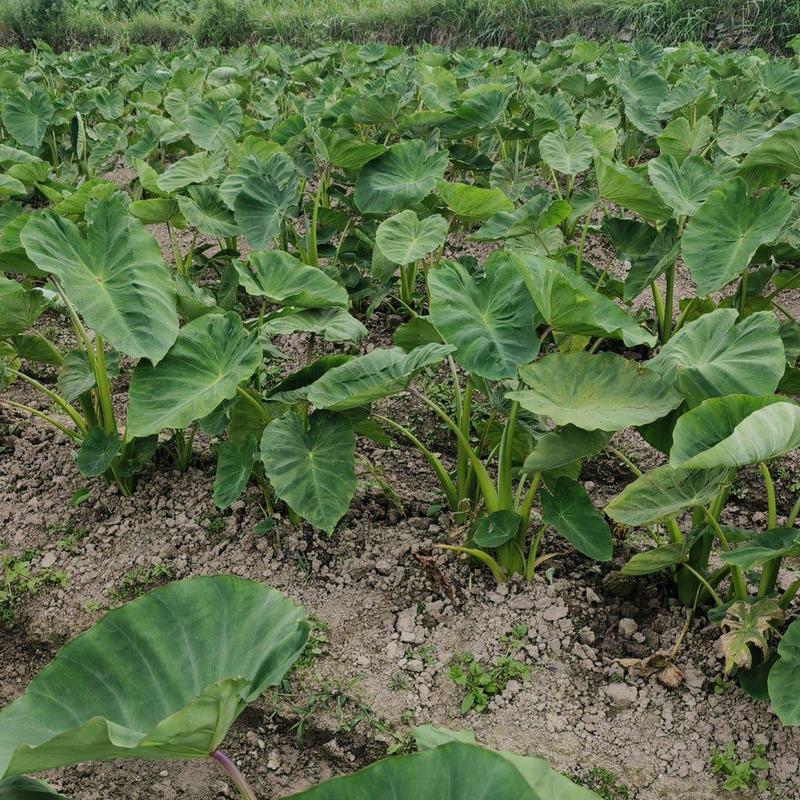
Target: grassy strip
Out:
[513,23]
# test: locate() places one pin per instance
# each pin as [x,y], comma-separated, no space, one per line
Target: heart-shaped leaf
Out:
[404,238]
[114,276]
[734,431]
[492,322]
[774,155]
[473,203]
[212,355]
[724,234]
[381,373]
[627,188]
[312,467]
[235,461]
[285,280]
[683,187]
[97,451]
[713,356]
[570,511]
[569,155]
[564,446]
[776,543]
[261,206]
[496,529]
[402,176]
[205,209]
[594,391]
[27,116]
[161,677]
[212,124]
[664,491]
[570,305]
[197,168]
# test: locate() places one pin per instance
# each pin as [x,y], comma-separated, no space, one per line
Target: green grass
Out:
[513,23]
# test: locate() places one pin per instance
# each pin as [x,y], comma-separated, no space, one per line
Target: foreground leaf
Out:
[405,239]
[151,680]
[776,543]
[784,677]
[713,356]
[452,771]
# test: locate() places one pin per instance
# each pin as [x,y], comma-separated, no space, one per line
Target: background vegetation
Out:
[514,23]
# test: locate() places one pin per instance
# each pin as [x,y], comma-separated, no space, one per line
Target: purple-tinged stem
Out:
[235,774]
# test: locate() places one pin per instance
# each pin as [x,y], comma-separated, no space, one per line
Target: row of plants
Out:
[302,192]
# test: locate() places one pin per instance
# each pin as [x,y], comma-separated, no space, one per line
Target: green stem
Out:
[582,244]
[772,511]
[530,565]
[705,583]
[790,520]
[482,556]
[56,398]
[103,387]
[789,595]
[626,461]
[235,775]
[436,464]
[743,293]
[484,481]
[504,488]
[737,579]
[669,298]
[245,395]
[46,417]
[464,412]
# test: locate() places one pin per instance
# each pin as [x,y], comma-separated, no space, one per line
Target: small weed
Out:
[214,527]
[399,683]
[70,536]
[605,784]
[139,580]
[17,579]
[481,682]
[744,774]
[316,645]
[721,685]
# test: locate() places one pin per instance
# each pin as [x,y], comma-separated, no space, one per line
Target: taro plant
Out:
[730,418]
[119,298]
[179,665]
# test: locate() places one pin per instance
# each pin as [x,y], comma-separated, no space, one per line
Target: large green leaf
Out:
[261,206]
[642,91]
[648,250]
[570,511]
[776,543]
[97,451]
[683,187]
[235,460]
[713,356]
[312,466]
[404,238]
[491,322]
[212,124]
[569,155]
[570,305]
[162,677]
[565,446]
[381,373]
[594,391]
[333,324]
[628,189]
[345,153]
[114,276]
[724,234]
[400,177]
[784,677]
[21,307]
[738,131]
[473,203]
[212,355]
[775,154]
[26,117]
[287,281]
[197,168]
[205,209]
[452,771]
[735,430]
[664,491]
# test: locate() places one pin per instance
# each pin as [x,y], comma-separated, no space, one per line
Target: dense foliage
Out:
[300,192]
